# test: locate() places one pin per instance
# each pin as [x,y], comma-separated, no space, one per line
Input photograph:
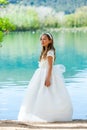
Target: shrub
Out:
[6,25]
[4,2]
[69,20]
[1,36]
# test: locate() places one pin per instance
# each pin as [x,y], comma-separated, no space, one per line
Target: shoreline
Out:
[18,125]
[62,29]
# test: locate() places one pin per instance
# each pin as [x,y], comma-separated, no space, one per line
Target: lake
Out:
[19,57]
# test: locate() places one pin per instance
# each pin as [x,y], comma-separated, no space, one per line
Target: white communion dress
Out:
[46,104]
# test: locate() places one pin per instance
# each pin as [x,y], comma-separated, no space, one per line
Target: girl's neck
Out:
[45,48]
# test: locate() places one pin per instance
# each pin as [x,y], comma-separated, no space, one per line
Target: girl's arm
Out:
[48,76]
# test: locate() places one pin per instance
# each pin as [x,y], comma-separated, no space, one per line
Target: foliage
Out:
[28,20]
[78,19]
[6,25]
[51,21]
[4,2]
[15,17]
[69,20]
[1,36]
[24,18]
[81,16]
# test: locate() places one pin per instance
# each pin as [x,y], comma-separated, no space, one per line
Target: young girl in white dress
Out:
[46,98]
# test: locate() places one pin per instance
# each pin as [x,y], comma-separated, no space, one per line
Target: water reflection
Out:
[19,58]
[77,86]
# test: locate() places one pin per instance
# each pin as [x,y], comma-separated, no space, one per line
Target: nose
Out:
[42,40]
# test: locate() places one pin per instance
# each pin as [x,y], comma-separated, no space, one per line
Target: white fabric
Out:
[46,104]
[50,53]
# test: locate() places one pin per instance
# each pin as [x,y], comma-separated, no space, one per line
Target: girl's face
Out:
[45,40]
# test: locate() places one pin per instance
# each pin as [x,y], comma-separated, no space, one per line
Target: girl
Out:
[46,98]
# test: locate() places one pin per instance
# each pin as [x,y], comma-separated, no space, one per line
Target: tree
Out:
[3,2]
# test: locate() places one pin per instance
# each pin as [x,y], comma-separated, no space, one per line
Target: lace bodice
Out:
[44,62]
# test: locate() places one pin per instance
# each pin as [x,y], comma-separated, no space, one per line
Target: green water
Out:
[19,57]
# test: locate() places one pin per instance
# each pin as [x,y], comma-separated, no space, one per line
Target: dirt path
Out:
[15,125]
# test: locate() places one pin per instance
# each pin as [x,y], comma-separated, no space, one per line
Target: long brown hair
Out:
[49,47]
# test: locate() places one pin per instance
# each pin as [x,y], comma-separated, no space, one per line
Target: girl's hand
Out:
[47,83]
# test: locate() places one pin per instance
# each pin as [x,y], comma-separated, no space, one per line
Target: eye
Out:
[44,39]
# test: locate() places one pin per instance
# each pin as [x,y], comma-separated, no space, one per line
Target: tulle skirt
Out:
[46,104]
